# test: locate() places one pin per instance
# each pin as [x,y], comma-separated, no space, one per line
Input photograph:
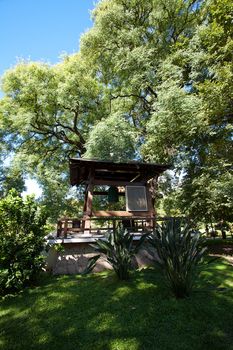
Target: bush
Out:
[21,241]
[119,249]
[180,251]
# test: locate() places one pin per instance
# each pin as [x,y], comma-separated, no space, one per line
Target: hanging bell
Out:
[113,194]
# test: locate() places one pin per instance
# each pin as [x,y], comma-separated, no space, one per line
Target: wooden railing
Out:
[100,225]
[67,226]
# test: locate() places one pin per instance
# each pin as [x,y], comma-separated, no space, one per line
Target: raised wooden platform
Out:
[85,238]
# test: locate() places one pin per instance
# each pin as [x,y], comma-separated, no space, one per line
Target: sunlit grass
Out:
[99,312]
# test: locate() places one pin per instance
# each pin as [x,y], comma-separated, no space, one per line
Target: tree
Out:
[111,139]
[162,60]
[48,112]
[11,177]
[127,46]
[50,107]
[22,231]
[164,68]
[207,187]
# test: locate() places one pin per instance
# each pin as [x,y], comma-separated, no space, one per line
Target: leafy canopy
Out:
[152,81]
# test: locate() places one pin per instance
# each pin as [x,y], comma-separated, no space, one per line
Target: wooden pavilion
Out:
[129,181]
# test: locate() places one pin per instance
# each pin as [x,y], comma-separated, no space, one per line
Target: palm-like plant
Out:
[119,250]
[179,252]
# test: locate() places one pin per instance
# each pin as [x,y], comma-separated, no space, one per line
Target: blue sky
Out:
[41,30]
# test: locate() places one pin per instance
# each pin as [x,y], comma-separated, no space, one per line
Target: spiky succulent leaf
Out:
[179,253]
[119,250]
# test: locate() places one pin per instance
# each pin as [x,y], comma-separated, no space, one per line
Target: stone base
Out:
[74,259]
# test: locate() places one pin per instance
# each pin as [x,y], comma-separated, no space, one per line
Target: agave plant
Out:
[180,252]
[119,250]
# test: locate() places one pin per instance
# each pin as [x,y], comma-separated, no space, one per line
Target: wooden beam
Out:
[100,193]
[117,183]
[105,193]
[118,213]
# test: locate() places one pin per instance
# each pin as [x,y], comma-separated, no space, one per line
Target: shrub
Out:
[180,251]
[119,249]
[21,241]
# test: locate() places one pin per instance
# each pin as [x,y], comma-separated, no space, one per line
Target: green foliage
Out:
[90,265]
[51,108]
[119,249]
[21,241]
[46,114]
[11,178]
[152,81]
[111,139]
[179,252]
[168,65]
[58,247]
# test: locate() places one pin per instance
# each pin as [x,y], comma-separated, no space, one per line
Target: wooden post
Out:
[84,210]
[150,206]
[88,210]
[88,203]
[154,187]
[114,225]
[85,200]
[59,228]
[65,227]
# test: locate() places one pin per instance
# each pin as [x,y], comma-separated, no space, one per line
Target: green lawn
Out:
[98,312]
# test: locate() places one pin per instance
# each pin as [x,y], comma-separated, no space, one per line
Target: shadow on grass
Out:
[99,312]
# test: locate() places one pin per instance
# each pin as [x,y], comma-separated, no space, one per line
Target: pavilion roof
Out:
[107,172]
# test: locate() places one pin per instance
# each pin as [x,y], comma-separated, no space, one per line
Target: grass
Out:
[219,241]
[98,312]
